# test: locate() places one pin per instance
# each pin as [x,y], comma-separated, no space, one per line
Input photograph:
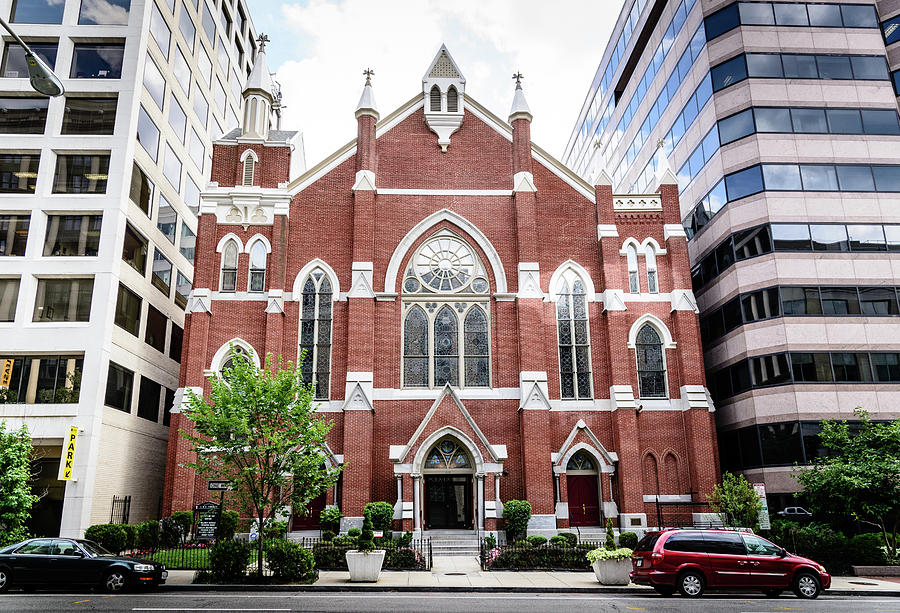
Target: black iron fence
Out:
[522,555]
[121,509]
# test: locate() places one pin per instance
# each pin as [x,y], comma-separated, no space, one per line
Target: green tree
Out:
[735,501]
[16,496]
[260,430]
[859,477]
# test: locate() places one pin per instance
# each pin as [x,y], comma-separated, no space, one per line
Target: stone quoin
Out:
[482,324]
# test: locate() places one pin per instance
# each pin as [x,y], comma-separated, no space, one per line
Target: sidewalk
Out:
[463,574]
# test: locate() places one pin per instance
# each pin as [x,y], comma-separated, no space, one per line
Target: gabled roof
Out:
[443,66]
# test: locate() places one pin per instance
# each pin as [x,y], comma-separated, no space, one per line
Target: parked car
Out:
[51,562]
[693,560]
[794,513]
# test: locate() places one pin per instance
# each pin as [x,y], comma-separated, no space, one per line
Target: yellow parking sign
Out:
[67,461]
[5,372]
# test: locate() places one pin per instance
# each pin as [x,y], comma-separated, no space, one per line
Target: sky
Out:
[320,48]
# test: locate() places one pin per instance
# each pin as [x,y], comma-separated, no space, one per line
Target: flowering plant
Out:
[601,553]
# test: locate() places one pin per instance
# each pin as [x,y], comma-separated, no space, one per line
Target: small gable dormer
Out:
[443,88]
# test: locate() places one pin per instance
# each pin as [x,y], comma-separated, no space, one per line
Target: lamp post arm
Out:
[19,40]
[42,77]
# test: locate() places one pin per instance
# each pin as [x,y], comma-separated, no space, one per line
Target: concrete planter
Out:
[612,572]
[365,566]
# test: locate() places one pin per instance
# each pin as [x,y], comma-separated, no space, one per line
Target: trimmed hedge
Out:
[628,540]
[228,561]
[113,537]
[549,557]
[382,514]
[289,561]
[330,556]
[516,514]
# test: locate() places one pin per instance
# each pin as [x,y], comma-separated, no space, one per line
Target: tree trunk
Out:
[260,544]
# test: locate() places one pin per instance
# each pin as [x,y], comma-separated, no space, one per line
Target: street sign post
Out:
[764,523]
[219,486]
[208,523]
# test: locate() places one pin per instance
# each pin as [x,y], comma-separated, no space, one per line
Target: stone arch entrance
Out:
[449,492]
[583,487]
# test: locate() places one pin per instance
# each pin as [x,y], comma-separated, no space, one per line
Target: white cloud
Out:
[556,45]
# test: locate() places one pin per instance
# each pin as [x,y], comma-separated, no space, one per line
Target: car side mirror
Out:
[783,553]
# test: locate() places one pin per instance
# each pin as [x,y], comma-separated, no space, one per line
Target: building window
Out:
[147,134]
[445,331]
[452,100]
[63,300]
[188,30]
[44,379]
[188,243]
[257,267]
[154,82]
[650,363]
[315,331]
[249,166]
[197,149]
[18,172]
[141,192]
[447,455]
[634,284]
[652,278]
[160,31]
[119,383]
[72,235]
[97,61]
[128,310]
[435,99]
[155,334]
[172,168]
[162,272]
[89,116]
[23,115]
[182,71]
[37,11]
[177,119]
[148,399]
[13,234]
[574,340]
[166,219]
[15,66]
[168,403]
[229,267]
[182,290]
[104,12]
[175,343]
[9,297]
[81,174]
[134,249]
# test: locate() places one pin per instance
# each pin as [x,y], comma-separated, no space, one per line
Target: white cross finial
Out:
[262,40]
[369,74]
[518,76]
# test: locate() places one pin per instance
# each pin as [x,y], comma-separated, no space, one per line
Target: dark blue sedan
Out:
[53,562]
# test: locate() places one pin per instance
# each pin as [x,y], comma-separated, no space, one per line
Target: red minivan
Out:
[692,560]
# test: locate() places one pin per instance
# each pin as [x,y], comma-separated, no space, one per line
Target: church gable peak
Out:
[443,67]
[443,89]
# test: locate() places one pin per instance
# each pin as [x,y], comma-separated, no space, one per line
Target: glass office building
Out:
[780,122]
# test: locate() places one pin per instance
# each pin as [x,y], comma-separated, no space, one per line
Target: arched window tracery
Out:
[634,284]
[582,461]
[574,339]
[315,331]
[651,364]
[652,278]
[258,256]
[435,97]
[448,455]
[452,100]
[229,267]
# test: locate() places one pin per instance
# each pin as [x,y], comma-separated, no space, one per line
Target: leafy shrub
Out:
[404,558]
[130,535]
[382,514]
[867,550]
[516,513]
[559,540]
[366,544]
[490,541]
[110,536]
[405,539]
[327,535]
[274,529]
[570,537]
[602,553]
[383,542]
[289,561]
[517,557]
[184,520]
[228,560]
[330,518]
[354,532]
[536,541]
[170,533]
[228,524]
[610,539]
[146,535]
[827,546]
[330,556]
[345,541]
[628,539]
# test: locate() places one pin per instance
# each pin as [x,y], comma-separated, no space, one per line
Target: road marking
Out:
[183,609]
[80,601]
[635,608]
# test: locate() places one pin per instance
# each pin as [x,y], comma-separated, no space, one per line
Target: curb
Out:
[202,587]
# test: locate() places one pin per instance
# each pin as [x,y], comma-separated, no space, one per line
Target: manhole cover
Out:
[464,574]
[862,583]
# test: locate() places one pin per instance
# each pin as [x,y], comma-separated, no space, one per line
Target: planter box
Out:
[876,571]
[365,566]
[612,572]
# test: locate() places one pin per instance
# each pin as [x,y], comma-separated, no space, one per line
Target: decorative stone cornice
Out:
[673,230]
[244,205]
[636,202]
[361,280]
[529,281]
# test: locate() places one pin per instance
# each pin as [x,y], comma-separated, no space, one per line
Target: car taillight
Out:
[656,558]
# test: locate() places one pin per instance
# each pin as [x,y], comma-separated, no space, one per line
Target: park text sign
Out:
[67,461]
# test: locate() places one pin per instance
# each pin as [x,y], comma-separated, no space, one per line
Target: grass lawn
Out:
[187,559]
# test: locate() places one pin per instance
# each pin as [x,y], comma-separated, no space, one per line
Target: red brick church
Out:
[481,324]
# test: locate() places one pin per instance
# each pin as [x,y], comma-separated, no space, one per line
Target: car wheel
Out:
[807,586]
[5,579]
[115,581]
[664,590]
[772,593]
[691,584]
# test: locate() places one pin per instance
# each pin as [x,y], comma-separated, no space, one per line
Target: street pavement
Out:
[343,602]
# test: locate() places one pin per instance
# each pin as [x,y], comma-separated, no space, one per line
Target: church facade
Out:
[480,323]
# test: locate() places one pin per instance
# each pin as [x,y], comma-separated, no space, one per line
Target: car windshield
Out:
[647,543]
[94,549]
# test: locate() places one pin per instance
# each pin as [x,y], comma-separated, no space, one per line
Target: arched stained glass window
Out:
[446,348]
[447,455]
[229,267]
[258,267]
[652,280]
[315,332]
[237,352]
[574,340]
[476,349]
[650,363]
[452,100]
[634,284]
[581,461]
[435,99]
[415,348]
[446,332]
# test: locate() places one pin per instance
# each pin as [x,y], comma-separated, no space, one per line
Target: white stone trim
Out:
[656,322]
[223,352]
[469,393]
[579,271]
[613,300]
[606,459]
[529,280]
[275,301]
[523,182]
[253,239]
[684,300]
[182,398]
[365,181]
[673,230]
[607,230]
[297,288]
[361,280]
[429,441]
[412,191]
[231,236]
[406,243]
[622,397]
[199,301]
[667,498]
[249,153]
[637,202]
[641,247]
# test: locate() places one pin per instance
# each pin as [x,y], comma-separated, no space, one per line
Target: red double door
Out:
[311,520]
[584,500]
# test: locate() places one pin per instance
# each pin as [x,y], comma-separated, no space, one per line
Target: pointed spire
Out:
[519,108]
[260,78]
[366,105]
[664,174]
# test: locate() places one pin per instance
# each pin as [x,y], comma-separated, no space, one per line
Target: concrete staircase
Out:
[453,543]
